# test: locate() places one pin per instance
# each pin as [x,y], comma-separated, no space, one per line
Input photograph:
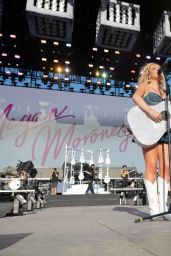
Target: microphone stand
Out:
[167,117]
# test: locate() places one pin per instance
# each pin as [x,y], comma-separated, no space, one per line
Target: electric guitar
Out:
[127,174]
[146,131]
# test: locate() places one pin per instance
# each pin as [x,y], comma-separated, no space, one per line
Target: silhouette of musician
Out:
[89,175]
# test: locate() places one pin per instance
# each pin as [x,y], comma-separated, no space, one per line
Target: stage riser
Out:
[81,200]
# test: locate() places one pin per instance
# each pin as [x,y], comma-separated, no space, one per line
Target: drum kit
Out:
[17,178]
[15,183]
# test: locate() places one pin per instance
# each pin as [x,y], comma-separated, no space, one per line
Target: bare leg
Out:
[150,157]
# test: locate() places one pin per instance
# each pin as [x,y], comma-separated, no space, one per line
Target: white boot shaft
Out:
[151,189]
[163,194]
[163,197]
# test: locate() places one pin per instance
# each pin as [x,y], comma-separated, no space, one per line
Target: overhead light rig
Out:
[52,19]
[162,36]
[117,25]
[64,82]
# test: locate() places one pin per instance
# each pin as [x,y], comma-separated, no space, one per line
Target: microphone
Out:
[160,71]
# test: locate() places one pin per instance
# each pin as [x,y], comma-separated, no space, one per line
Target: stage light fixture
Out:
[67,70]
[132,71]
[52,19]
[108,85]
[117,25]
[112,68]
[6,74]
[55,43]
[127,87]
[106,50]
[4,54]
[138,55]
[68,45]
[162,36]
[97,73]
[44,59]
[90,65]
[94,49]
[43,41]
[12,36]
[20,76]
[104,75]
[16,56]
[67,62]
[45,78]
[88,83]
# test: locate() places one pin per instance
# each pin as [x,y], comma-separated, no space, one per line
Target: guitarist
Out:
[152,90]
[124,176]
[90,177]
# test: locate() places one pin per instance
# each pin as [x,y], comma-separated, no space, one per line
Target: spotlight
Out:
[88,83]
[21,199]
[32,199]
[45,78]
[20,76]
[127,88]
[108,85]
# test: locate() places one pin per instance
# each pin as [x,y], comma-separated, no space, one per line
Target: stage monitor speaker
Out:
[6,208]
[6,205]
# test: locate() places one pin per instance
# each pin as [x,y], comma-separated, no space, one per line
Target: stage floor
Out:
[86,231]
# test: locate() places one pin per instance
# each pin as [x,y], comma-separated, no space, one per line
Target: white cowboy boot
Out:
[163,196]
[151,189]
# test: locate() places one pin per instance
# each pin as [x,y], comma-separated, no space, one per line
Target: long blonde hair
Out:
[144,76]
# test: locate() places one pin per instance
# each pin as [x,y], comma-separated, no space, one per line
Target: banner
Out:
[37,125]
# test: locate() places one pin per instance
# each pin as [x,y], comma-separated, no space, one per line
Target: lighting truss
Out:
[117,25]
[52,19]
[162,36]
[56,81]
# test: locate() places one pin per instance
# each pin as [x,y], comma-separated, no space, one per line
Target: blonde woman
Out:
[151,91]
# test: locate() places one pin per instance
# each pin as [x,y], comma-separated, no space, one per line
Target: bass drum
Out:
[14,184]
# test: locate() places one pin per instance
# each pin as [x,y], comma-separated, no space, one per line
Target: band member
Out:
[90,177]
[124,176]
[54,181]
[152,90]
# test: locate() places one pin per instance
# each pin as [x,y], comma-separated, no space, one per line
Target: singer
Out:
[152,90]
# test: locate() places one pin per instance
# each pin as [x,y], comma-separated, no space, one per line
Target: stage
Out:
[85,230]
